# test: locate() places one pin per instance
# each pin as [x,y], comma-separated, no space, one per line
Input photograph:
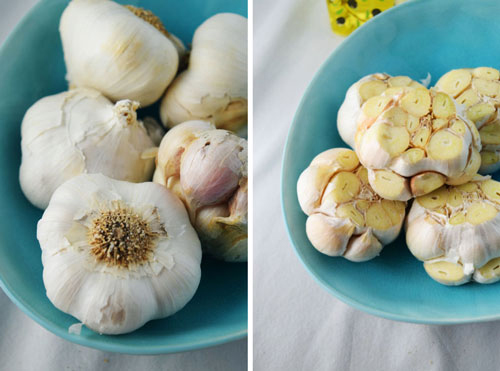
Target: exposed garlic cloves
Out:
[455,231]
[478,91]
[345,216]
[415,141]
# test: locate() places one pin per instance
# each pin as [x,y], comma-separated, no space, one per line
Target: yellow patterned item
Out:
[347,15]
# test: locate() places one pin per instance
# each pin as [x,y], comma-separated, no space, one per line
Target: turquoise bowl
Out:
[31,67]
[411,39]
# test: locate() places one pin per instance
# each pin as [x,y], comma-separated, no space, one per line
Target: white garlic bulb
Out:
[358,93]
[414,140]
[455,231]
[80,131]
[208,170]
[214,87]
[478,90]
[116,254]
[345,216]
[109,48]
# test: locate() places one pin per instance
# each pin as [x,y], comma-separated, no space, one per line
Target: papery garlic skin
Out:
[358,93]
[478,91]
[110,49]
[214,87]
[345,216]
[80,131]
[109,296]
[420,138]
[455,231]
[207,168]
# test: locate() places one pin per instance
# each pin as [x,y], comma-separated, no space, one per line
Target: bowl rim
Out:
[101,344]
[348,299]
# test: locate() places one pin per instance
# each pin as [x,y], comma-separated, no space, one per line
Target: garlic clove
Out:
[116,279]
[212,167]
[447,273]
[345,215]
[363,248]
[80,131]
[214,87]
[174,144]
[488,273]
[109,48]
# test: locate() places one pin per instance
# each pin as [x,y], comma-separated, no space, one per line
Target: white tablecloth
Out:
[298,325]
[25,345]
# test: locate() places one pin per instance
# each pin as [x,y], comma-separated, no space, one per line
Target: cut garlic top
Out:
[80,131]
[110,48]
[207,168]
[345,216]
[478,90]
[364,89]
[455,231]
[414,140]
[116,254]
[214,87]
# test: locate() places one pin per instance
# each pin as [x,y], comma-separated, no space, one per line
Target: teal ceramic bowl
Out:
[412,39]
[31,67]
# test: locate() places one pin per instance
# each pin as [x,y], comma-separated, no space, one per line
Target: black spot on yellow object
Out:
[347,15]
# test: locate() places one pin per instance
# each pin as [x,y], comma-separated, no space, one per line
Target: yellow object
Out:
[347,15]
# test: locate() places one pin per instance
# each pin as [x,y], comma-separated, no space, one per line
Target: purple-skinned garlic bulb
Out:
[207,168]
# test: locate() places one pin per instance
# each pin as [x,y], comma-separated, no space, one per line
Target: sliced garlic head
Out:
[116,254]
[455,231]
[207,169]
[413,141]
[214,87]
[478,91]
[80,131]
[112,49]
[345,216]
[364,89]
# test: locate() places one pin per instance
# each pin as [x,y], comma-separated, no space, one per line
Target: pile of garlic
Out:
[478,91]
[119,250]
[415,142]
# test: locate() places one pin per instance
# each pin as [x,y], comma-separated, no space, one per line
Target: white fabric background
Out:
[298,325]
[25,345]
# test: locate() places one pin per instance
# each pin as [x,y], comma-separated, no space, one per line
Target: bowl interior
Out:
[31,67]
[413,39]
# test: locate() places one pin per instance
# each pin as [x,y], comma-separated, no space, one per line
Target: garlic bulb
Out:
[478,90]
[109,48]
[413,141]
[214,87]
[80,131]
[364,89]
[455,231]
[345,216]
[116,254]
[207,169]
